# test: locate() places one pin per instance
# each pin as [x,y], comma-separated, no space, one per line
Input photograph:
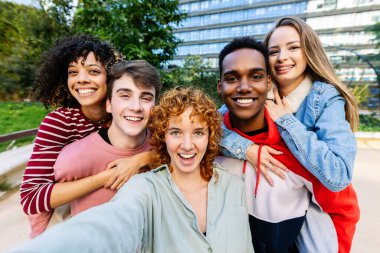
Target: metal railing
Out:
[17,135]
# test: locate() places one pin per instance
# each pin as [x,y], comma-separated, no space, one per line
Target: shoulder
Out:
[224,178]
[62,115]
[87,144]
[323,90]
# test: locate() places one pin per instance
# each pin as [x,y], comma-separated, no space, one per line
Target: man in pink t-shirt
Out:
[131,93]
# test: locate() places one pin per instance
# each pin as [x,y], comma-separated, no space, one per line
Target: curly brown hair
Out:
[50,85]
[172,104]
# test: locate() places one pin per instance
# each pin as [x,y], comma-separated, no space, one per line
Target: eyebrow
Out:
[291,42]
[235,72]
[129,90]
[89,65]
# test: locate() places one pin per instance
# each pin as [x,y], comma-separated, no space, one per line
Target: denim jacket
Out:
[318,135]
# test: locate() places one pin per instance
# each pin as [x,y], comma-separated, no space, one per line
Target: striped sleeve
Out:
[58,129]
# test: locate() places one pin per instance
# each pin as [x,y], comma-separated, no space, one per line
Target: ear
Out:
[219,87]
[108,105]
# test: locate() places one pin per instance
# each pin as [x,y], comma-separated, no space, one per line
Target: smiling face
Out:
[87,81]
[286,58]
[186,141]
[130,106]
[244,86]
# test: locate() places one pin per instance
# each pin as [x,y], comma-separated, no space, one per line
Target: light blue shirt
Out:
[150,214]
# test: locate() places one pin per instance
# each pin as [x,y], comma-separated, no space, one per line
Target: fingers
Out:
[111,165]
[265,173]
[273,151]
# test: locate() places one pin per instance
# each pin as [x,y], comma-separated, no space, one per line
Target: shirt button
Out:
[211,222]
[212,196]
[238,151]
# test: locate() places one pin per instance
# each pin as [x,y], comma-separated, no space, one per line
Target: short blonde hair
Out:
[172,104]
[319,67]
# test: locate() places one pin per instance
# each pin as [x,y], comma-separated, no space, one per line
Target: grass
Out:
[17,116]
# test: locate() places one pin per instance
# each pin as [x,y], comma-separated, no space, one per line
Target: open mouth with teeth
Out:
[186,156]
[86,91]
[133,119]
[284,68]
[244,101]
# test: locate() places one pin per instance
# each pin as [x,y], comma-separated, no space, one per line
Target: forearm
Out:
[65,192]
[233,145]
[328,155]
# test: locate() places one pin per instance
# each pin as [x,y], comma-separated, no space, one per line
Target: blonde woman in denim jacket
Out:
[315,115]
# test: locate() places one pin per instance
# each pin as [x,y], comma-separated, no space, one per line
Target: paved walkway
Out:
[14,225]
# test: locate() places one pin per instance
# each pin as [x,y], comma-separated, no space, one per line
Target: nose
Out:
[282,55]
[244,85]
[135,105]
[187,142]
[83,77]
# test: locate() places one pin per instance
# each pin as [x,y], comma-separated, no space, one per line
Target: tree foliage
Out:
[139,29]
[27,31]
[194,72]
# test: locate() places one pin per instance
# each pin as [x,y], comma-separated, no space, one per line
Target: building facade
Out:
[211,24]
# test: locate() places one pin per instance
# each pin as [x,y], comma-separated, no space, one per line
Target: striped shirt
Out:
[59,128]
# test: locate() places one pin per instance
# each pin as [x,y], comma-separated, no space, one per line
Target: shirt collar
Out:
[297,96]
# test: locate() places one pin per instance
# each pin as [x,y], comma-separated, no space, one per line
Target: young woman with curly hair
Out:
[187,204]
[73,78]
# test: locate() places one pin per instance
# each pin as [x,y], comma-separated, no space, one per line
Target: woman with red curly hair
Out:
[186,204]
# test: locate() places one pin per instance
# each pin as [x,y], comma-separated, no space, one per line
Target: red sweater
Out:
[341,206]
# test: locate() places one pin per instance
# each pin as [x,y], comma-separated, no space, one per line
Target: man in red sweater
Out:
[276,213]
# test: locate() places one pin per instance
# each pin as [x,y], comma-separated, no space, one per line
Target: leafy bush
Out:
[369,123]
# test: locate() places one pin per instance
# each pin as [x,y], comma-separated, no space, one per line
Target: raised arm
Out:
[326,146]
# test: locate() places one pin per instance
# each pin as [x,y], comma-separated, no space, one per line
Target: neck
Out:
[188,181]
[248,125]
[286,88]
[95,113]
[120,140]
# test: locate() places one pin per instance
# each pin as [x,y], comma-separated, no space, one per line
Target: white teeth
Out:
[244,100]
[187,156]
[133,118]
[86,91]
[284,68]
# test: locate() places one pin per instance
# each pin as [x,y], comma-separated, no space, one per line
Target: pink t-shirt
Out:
[83,158]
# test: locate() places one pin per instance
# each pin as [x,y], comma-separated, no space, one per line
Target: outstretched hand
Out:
[279,107]
[268,162]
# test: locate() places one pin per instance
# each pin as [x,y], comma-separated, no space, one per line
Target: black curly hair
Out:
[50,85]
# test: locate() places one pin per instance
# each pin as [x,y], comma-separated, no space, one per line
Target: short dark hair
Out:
[240,43]
[141,71]
[50,85]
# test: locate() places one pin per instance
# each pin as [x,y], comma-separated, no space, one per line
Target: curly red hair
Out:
[172,104]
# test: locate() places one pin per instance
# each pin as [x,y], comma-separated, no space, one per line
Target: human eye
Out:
[71,72]
[147,98]
[94,71]
[230,79]
[199,133]
[174,132]
[294,47]
[256,77]
[124,95]
[273,52]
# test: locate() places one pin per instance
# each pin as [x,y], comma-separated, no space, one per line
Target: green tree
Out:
[195,72]
[28,31]
[139,29]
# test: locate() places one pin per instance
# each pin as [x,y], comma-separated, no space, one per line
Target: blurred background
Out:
[182,39]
